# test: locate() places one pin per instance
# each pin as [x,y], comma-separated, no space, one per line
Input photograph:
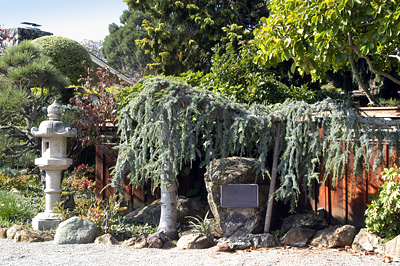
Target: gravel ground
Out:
[49,253]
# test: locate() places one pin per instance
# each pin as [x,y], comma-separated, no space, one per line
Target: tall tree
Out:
[119,47]
[185,32]
[27,83]
[324,34]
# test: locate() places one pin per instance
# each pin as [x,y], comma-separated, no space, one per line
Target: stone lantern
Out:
[54,134]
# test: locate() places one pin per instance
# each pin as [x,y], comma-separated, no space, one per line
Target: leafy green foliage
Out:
[15,208]
[322,35]
[168,121]
[20,180]
[382,215]
[66,55]
[119,47]
[184,32]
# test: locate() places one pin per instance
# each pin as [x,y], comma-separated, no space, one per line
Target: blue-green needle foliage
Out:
[170,122]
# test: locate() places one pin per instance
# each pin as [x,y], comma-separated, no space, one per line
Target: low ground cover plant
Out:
[16,208]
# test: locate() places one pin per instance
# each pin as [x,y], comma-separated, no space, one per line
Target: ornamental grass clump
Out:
[15,208]
[383,214]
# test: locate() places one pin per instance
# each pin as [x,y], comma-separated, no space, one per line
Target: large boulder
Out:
[76,230]
[185,207]
[195,241]
[367,241]
[334,237]
[306,220]
[236,222]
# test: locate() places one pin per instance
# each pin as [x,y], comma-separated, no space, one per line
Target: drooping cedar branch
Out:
[209,126]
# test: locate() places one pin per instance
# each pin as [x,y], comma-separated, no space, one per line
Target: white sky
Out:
[77,20]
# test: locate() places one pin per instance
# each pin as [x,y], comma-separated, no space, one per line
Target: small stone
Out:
[366,241]
[221,248]
[168,244]
[3,232]
[46,236]
[335,236]
[106,239]
[195,241]
[141,242]
[13,230]
[154,243]
[27,236]
[392,248]
[129,242]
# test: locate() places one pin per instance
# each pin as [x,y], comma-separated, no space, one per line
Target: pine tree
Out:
[27,83]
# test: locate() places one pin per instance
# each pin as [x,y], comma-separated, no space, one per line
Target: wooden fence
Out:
[346,201]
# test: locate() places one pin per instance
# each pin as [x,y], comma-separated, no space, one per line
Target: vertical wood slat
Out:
[346,204]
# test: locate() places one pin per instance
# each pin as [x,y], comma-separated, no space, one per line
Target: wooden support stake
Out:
[268,215]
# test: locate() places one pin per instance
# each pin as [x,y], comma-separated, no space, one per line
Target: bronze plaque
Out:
[239,196]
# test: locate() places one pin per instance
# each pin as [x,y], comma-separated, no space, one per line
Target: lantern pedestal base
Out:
[45,221]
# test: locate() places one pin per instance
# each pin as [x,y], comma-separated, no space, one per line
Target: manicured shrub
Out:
[66,55]
[382,215]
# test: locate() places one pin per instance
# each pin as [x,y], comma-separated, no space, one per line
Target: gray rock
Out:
[185,207]
[13,230]
[366,241]
[250,241]
[236,222]
[76,230]
[306,220]
[106,239]
[297,237]
[392,248]
[335,236]
[195,241]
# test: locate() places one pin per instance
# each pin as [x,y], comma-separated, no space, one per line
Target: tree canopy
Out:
[119,47]
[184,32]
[322,35]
